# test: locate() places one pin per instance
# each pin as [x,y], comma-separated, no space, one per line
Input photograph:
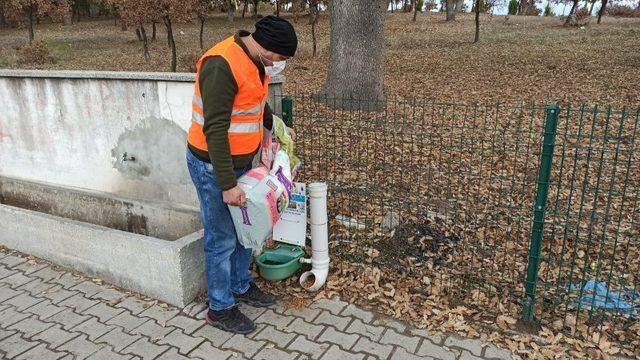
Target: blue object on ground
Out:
[595,295]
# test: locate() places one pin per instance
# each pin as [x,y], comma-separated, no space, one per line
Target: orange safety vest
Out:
[245,129]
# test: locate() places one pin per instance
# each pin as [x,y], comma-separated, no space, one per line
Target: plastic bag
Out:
[268,192]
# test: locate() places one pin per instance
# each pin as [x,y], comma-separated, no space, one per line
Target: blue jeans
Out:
[226,261]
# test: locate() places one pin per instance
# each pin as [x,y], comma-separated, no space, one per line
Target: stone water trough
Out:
[150,248]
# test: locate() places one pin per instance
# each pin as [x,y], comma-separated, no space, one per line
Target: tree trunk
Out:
[603,8]
[123,25]
[451,10]
[67,18]
[31,34]
[392,2]
[255,7]
[574,7]
[139,33]
[459,5]
[297,7]
[522,9]
[145,43]
[153,31]
[572,11]
[201,19]
[313,12]
[477,38]
[172,43]
[229,10]
[244,8]
[415,9]
[169,36]
[593,3]
[357,52]
[277,8]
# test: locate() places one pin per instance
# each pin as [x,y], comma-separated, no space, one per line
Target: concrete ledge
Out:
[79,229]
[165,270]
[110,75]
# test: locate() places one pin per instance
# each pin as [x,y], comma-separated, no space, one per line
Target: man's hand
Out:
[234,196]
[292,133]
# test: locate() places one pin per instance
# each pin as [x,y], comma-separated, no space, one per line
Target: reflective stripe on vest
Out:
[253,111]
[197,100]
[245,128]
[235,112]
[197,117]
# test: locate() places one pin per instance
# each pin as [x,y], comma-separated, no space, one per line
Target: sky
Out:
[558,9]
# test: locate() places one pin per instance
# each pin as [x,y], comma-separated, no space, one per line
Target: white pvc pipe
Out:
[319,237]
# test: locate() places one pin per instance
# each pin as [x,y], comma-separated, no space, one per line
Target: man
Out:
[229,112]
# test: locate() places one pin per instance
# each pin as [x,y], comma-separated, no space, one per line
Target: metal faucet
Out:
[125,158]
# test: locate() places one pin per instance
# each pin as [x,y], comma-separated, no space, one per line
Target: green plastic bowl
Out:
[280,263]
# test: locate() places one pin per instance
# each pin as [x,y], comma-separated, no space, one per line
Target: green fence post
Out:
[287,111]
[540,208]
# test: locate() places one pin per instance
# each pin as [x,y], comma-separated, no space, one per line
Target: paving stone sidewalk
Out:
[53,314]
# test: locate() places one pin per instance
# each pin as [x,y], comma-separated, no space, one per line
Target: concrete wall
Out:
[73,128]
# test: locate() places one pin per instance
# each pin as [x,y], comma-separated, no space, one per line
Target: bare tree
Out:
[451,10]
[603,8]
[230,10]
[593,3]
[477,38]
[572,11]
[244,7]
[167,11]
[28,11]
[357,50]
[314,13]
[202,7]
[145,43]
[297,7]
[415,9]
[136,13]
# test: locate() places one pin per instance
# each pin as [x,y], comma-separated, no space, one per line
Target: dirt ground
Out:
[518,58]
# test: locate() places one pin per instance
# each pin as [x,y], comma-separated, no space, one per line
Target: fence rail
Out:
[528,202]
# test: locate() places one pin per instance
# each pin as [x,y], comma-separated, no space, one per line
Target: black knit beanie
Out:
[276,35]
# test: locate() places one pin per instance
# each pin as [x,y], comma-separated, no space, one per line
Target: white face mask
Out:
[277,68]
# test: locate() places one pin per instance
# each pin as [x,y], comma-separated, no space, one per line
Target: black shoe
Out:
[255,297]
[231,320]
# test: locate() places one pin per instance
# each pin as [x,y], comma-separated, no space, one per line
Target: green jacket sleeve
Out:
[218,89]
[267,117]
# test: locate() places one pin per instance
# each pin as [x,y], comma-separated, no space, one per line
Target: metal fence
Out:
[515,207]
